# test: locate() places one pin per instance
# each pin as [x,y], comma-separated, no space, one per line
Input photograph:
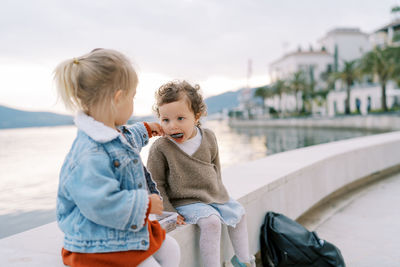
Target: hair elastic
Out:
[76,61]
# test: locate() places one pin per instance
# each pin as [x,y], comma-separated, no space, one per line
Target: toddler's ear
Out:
[118,96]
[197,117]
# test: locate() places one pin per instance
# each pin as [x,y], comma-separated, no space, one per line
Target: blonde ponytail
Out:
[94,79]
[66,78]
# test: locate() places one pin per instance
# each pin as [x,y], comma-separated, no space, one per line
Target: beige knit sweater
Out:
[183,179]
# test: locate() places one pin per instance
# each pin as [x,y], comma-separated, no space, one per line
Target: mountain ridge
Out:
[16,118]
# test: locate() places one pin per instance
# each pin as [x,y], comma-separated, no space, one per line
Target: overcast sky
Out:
[203,41]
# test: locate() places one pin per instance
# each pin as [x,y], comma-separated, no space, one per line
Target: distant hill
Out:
[14,118]
[219,102]
[227,100]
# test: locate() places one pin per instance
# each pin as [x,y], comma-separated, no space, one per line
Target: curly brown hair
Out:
[175,91]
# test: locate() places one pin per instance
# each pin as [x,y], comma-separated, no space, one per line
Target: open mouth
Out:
[177,136]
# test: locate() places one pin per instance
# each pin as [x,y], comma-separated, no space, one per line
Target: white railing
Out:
[291,183]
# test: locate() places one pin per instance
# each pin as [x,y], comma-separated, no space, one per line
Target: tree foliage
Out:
[298,83]
[348,75]
[280,87]
[263,92]
[383,64]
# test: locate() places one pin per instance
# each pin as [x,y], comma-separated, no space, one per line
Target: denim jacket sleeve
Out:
[95,190]
[140,134]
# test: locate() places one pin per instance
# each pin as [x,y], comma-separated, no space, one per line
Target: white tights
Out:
[210,239]
[168,255]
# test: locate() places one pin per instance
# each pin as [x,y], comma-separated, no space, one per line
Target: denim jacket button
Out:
[144,135]
[126,130]
[143,242]
[135,161]
[146,142]
[116,163]
[140,185]
[134,227]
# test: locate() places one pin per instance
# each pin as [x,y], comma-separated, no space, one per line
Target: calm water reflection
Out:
[283,139]
[244,144]
[31,158]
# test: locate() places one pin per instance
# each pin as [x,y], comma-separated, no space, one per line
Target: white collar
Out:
[95,129]
[191,145]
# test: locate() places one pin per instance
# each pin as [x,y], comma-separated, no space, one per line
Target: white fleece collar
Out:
[95,129]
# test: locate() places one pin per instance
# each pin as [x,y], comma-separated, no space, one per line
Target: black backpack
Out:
[284,242]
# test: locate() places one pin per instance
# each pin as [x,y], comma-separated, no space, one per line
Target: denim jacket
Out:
[103,189]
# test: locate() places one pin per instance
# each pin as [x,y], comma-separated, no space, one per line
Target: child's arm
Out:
[156,204]
[153,129]
[158,167]
[93,188]
[141,134]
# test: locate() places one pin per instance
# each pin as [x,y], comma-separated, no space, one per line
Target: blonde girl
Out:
[185,165]
[104,195]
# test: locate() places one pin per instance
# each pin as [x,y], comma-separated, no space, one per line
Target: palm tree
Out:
[309,91]
[280,87]
[349,74]
[263,92]
[383,64]
[298,84]
[327,77]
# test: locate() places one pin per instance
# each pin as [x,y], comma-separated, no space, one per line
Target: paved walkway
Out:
[364,224]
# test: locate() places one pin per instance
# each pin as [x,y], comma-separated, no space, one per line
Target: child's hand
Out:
[180,220]
[156,129]
[157,206]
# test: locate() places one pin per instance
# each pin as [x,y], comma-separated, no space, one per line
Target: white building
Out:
[388,34]
[312,63]
[346,43]
[338,45]
[363,98]
[366,97]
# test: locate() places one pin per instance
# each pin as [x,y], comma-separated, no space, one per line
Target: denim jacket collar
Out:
[95,129]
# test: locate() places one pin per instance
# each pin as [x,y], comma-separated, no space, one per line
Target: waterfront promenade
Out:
[363,223]
[384,122]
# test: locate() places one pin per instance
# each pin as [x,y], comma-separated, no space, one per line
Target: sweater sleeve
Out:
[158,167]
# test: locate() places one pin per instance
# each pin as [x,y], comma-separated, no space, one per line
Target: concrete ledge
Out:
[291,183]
